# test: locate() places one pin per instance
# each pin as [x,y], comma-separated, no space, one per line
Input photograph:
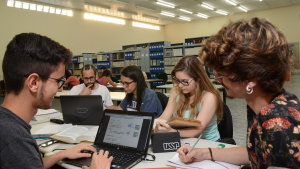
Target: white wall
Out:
[76,33]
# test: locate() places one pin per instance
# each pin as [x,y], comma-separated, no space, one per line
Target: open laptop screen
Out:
[125,131]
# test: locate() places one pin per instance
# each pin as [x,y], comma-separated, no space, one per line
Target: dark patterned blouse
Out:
[273,136]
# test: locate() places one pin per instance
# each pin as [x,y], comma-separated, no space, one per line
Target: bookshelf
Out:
[197,40]
[103,60]
[77,63]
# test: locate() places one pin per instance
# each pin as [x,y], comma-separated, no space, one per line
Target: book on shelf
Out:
[179,122]
[176,162]
[77,134]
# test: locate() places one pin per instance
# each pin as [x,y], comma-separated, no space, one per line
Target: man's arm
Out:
[111,107]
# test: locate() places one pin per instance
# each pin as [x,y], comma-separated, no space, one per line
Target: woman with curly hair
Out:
[251,60]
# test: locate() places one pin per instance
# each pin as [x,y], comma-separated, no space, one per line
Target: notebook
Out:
[125,134]
[82,110]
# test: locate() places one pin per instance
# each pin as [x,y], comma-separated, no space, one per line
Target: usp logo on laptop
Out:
[82,110]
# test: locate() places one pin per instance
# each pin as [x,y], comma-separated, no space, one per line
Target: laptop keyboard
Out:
[119,158]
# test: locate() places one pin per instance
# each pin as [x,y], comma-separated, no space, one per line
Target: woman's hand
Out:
[162,127]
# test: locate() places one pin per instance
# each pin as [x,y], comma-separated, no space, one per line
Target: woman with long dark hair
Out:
[139,97]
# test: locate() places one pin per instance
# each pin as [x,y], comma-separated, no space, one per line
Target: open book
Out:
[77,134]
[176,162]
[180,122]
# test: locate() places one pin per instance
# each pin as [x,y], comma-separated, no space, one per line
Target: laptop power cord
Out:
[145,158]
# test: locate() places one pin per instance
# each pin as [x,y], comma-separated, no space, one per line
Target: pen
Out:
[194,144]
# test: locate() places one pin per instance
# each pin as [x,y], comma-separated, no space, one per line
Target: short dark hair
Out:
[29,53]
[103,67]
[251,49]
[135,73]
[88,67]
[106,73]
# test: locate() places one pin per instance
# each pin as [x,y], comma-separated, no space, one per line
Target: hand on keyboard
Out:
[100,161]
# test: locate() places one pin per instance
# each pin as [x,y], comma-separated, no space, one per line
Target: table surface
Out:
[161,158]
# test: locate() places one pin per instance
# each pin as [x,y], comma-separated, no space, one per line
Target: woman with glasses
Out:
[251,60]
[139,97]
[71,79]
[193,97]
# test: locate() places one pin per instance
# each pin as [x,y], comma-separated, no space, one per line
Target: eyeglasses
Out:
[60,82]
[89,78]
[126,84]
[182,82]
[218,78]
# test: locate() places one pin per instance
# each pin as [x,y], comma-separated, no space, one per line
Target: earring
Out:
[249,91]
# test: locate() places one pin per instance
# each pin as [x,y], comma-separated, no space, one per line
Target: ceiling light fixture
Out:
[39,8]
[120,2]
[202,15]
[187,11]
[143,25]
[129,12]
[70,13]
[231,2]
[52,10]
[222,12]
[95,5]
[32,6]
[185,18]
[152,17]
[104,19]
[243,8]
[18,4]
[167,14]
[46,8]
[64,12]
[167,4]
[58,11]
[10,3]
[145,8]
[25,5]
[207,6]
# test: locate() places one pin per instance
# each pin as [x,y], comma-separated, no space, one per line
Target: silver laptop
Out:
[82,110]
[125,134]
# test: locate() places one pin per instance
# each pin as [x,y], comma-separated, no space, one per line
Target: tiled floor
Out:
[239,114]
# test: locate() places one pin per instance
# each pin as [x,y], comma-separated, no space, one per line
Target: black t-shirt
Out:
[18,149]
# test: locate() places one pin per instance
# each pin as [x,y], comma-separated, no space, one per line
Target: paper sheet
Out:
[176,162]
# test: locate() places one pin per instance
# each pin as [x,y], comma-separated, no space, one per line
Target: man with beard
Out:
[90,87]
[34,68]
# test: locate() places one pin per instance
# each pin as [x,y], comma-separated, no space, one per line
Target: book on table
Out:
[180,122]
[77,134]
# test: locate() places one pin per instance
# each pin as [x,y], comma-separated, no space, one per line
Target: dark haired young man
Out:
[90,87]
[33,68]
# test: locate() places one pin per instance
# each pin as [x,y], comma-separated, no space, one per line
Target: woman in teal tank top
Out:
[193,96]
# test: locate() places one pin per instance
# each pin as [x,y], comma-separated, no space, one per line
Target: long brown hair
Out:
[193,67]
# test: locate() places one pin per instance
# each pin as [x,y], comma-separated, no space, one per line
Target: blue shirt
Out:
[150,103]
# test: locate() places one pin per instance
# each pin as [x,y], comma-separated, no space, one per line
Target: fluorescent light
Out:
[10,3]
[58,11]
[207,6]
[64,12]
[52,10]
[243,8]
[104,18]
[46,8]
[167,14]
[260,0]
[18,4]
[32,6]
[70,13]
[121,2]
[145,8]
[143,25]
[166,4]
[184,18]
[222,12]
[202,15]
[25,5]
[232,3]
[39,8]
[186,11]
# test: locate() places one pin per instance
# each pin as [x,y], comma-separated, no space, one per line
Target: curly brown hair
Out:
[251,49]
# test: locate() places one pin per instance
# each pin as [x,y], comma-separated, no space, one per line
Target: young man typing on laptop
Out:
[90,87]
[33,68]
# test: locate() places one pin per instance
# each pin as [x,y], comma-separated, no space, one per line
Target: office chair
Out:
[225,127]
[2,87]
[148,75]
[163,99]
[114,79]
[164,77]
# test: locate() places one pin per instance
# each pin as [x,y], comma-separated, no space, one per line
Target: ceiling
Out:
[129,10]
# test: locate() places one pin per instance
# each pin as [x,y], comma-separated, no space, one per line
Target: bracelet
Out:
[212,159]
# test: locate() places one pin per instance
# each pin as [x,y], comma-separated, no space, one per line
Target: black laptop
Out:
[82,110]
[125,134]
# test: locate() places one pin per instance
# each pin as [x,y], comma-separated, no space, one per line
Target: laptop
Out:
[82,110]
[125,134]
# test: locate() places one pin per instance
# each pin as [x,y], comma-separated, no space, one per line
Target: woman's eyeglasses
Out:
[218,78]
[126,84]
[182,82]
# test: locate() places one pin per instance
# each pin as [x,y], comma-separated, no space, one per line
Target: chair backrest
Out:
[114,79]
[225,126]
[2,87]
[163,76]
[163,99]
[148,75]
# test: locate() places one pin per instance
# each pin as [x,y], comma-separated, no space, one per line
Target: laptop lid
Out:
[82,110]
[125,130]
